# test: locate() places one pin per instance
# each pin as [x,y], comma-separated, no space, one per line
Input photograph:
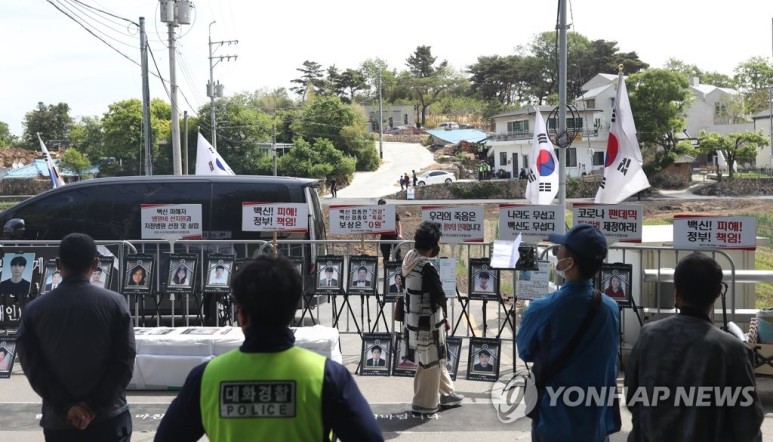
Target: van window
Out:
[116,210]
[227,206]
[67,208]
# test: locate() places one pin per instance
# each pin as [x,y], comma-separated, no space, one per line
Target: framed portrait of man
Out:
[614,280]
[300,266]
[454,347]
[483,280]
[376,352]
[51,277]
[362,275]
[102,274]
[394,283]
[329,275]
[138,273]
[483,359]
[404,361]
[181,276]
[7,356]
[219,271]
[16,276]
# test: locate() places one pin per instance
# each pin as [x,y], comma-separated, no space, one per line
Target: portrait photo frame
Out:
[483,281]
[103,274]
[7,356]
[483,359]
[392,289]
[138,273]
[218,273]
[300,265]
[330,276]
[376,354]
[454,348]
[47,282]
[363,275]
[614,280]
[20,266]
[527,257]
[404,360]
[181,274]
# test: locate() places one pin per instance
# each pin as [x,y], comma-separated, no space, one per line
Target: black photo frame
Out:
[363,275]
[483,281]
[404,360]
[478,368]
[181,275]
[219,271]
[7,356]
[454,349]
[527,257]
[17,266]
[372,363]
[50,277]
[138,274]
[300,265]
[330,276]
[394,283]
[102,276]
[614,280]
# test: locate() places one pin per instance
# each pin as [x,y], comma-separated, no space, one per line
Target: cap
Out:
[583,239]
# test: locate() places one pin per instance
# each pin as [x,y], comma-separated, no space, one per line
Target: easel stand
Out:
[509,315]
[306,306]
[348,306]
[464,302]
[635,309]
[380,313]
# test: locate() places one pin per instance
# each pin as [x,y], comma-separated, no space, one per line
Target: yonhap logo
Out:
[509,397]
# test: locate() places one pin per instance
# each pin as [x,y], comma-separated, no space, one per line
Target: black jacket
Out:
[76,344]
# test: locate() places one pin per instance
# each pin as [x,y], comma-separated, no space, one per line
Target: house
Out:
[394,115]
[763,122]
[510,147]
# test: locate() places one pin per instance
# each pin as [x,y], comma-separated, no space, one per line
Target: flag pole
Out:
[562,49]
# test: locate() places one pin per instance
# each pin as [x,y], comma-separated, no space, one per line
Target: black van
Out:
[110,208]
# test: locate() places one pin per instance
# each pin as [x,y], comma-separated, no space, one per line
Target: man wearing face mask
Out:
[426,324]
[589,361]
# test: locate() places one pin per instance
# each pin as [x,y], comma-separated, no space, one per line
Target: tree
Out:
[318,160]
[752,78]
[312,77]
[74,161]
[739,146]
[349,83]
[7,139]
[426,80]
[53,122]
[659,99]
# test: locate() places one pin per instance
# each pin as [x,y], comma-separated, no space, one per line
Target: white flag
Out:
[208,161]
[543,170]
[623,174]
[721,160]
[56,179]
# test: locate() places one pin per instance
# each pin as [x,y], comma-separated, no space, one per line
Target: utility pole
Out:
[147,134]
[380,121]
[185,143]
[216,90]
[174,13]
[562,48]
[273,144]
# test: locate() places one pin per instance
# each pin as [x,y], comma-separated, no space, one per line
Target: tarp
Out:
[457,135]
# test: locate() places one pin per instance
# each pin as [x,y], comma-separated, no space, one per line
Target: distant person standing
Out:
[402,183]
[334,188]
[415,179]
[76,346]
[386,248]
[407,180]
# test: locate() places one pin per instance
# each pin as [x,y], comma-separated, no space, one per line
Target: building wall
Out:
[764,157]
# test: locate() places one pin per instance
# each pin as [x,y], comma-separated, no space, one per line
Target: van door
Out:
[53,216]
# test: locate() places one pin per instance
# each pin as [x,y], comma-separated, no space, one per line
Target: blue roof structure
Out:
[39,168]
[456,135]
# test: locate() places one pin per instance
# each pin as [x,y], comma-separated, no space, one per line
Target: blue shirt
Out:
[546,328]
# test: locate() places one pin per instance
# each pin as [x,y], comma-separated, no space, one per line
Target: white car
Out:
[435,177]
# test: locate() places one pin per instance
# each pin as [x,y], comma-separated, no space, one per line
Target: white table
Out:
[166,355]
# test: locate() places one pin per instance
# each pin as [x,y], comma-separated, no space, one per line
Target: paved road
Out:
[399,158]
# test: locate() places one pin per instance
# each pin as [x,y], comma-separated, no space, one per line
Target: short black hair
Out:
[427,235]
[362,268]
[77,252]
[98,269]
[698,279]
[484,274]
[376,348]
[329,269]
[484,353]
[19,260]
[219,266]
[268,289]
[588,266]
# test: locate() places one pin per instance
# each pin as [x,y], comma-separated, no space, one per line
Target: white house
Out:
[394,115]
[762,122]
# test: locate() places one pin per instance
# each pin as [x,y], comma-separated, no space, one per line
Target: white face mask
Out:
[562,272]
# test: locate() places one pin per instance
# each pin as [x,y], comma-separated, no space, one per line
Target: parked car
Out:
[435,177]
[448,125]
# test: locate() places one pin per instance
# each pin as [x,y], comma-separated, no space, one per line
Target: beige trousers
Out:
[430,383]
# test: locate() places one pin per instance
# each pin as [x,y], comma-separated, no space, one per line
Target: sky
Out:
[50,58]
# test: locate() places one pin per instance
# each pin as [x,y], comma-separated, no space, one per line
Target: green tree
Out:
[86,136]
[318,160]
[427,80]
[74,161]
[739,146]
[349,83]
[53,122]
[659,99]
[7,139]
[312,77]
[753,77]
